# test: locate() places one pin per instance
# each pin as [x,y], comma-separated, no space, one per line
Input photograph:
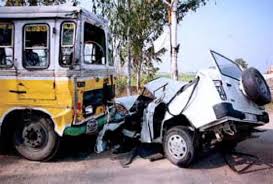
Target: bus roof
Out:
[60,11]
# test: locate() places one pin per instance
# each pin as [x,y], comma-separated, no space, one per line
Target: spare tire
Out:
[256,87]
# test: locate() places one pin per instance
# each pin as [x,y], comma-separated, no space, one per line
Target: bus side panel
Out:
[60,110]
[91,93]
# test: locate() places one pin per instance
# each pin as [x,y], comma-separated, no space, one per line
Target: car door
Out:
[231,73]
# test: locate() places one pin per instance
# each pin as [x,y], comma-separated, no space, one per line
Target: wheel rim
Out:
[177,146]
[34,135]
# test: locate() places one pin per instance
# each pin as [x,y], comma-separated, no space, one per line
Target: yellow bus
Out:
[56,76]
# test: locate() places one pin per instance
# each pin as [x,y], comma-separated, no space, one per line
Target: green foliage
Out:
[135,24]
[121,83]
[15,3]
[241,62]
[186,77]
[189,5]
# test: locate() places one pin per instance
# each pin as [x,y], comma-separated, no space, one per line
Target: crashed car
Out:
[222,105]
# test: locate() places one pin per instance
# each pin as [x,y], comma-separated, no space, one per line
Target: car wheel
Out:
[179,146]
[36,139]
[255,86]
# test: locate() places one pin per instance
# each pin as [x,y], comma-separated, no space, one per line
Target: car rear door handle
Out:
[18,92]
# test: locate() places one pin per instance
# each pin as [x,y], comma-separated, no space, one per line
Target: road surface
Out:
[81,167]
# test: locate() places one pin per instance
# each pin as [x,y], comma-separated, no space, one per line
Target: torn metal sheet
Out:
[147,133]
[127,101]
[101,143]
[164,88]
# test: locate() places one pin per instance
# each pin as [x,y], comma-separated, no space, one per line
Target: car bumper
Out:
[222,110]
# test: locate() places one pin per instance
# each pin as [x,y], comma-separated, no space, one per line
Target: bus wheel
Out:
[36,139]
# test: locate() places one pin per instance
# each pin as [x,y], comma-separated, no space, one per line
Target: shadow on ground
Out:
[82,148]
[250,156]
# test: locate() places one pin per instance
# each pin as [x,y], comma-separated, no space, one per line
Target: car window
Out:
[94,45]
[67,43]
[36,46]
[226,66]
[6,44]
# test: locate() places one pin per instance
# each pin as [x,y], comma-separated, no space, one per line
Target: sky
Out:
[235,28]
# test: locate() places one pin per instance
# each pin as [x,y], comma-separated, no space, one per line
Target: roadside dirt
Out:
[78,164]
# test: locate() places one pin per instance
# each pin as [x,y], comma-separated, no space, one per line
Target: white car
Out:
[223,104]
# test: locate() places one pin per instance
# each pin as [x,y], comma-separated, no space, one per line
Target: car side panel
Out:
[199,110]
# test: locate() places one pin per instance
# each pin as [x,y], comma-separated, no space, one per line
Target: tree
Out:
[15,3]
[176,11]
[135,24]
[147,25]
[241,62]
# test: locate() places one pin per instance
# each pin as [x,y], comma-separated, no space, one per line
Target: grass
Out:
[121,82]
[182,77]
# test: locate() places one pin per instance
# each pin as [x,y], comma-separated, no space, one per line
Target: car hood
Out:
[127,101]
[164,88]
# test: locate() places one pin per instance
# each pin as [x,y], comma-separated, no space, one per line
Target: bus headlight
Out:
[89,110]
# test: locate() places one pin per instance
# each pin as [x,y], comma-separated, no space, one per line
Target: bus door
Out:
[36,76]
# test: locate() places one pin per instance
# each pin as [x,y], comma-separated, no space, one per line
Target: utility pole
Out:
[172,6]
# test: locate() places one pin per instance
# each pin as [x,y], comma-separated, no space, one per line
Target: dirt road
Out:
[80,167]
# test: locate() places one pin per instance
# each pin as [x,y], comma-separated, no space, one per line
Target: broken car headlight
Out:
[219,86]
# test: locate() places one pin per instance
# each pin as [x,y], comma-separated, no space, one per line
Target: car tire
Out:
[255,87]
[179,146]
[36,139]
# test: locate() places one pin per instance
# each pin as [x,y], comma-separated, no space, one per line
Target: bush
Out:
[121,83]
[186,77]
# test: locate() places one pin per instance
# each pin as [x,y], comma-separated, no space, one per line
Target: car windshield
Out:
[226,66]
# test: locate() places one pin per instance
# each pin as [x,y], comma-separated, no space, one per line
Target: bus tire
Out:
[36,139]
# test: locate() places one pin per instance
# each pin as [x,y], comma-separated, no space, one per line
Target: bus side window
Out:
[67,43]
[36,46]
[94,45]
[6,45]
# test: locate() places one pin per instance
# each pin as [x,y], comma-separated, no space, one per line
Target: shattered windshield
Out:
[226,66]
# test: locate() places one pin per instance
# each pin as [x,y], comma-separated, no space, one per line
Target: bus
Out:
[56,76]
